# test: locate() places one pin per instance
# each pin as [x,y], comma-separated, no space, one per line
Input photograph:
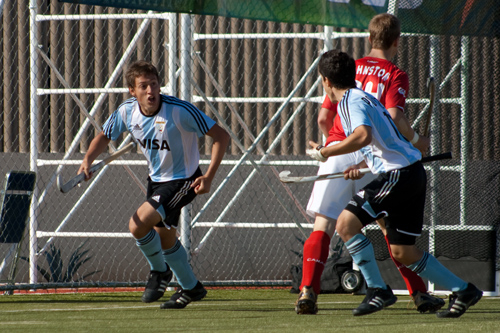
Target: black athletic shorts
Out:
[169,197]
[398,196]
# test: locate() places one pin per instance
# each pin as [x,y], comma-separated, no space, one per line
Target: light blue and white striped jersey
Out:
[389,149]
[168,139]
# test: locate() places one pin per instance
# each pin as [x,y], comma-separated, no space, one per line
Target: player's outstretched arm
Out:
[97,146]
[220,139]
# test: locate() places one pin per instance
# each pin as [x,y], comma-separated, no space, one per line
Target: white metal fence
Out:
[259,80]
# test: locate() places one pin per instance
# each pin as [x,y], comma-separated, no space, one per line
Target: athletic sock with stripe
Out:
[176,258]
[316,250]
[150,246]
[430,268]
[361,250]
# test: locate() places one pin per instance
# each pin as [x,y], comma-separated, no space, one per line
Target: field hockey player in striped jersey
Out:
[397,194]
[377,75]
[167,130]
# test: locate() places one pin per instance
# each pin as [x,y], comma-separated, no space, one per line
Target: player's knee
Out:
[345,230]
[168,237]
[135,226]
[325,224]
[341,229]
[348,225]
[397,253]
[406,254]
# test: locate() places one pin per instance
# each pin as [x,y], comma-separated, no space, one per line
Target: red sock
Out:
[316,250]
[413,281]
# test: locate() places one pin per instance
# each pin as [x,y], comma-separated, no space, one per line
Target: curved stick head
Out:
[285,173]
[284,176]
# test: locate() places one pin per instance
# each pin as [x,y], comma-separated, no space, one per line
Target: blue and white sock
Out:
[176,258]
[150,246]
[430,268]
[361,250]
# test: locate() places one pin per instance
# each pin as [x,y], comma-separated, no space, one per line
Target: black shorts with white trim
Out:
[398,196]
[168,198]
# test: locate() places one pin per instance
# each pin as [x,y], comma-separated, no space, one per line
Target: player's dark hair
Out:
[139,68]
[339,68]
[384,29]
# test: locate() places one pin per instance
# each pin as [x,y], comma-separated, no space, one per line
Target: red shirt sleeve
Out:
[336,133]
[397,92]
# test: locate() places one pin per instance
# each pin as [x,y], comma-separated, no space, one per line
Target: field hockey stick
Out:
[66,187]
[285,178]
[431,85]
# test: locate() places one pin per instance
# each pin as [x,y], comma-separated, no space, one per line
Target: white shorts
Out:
[329,197]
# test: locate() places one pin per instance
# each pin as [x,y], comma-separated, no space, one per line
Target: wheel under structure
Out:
[352,281]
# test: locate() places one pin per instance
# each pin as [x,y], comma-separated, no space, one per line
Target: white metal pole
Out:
[464,125]
[33,244]
[186,61]
[185,94]
[328,45]
[172,53]
[328,39]
[434,70]
[393,7]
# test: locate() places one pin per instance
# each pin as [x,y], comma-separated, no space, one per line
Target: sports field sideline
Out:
[227,310]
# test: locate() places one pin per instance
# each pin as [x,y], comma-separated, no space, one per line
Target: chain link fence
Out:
[259,80]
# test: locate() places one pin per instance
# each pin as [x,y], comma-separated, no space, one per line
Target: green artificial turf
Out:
[252,310]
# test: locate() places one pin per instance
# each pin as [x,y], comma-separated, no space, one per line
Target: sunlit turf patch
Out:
[227,311]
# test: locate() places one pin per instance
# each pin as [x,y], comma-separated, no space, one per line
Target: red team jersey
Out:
[378,77]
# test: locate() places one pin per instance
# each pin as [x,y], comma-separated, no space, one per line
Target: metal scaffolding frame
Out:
[186,61]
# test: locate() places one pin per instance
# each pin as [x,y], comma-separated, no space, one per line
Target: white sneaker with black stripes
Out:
[182,297]
[376,299]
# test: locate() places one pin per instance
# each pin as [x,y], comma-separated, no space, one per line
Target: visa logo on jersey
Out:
[154,144]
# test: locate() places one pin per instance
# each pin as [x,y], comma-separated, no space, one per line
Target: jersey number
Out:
[379,89]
